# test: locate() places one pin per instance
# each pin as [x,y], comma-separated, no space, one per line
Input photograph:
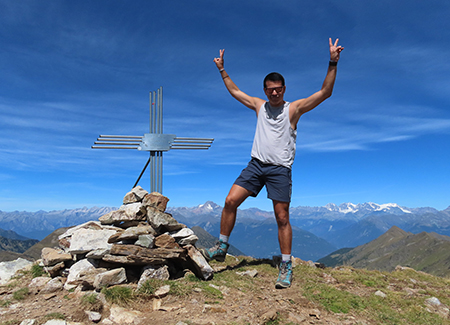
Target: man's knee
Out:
[235,197]
[283,220]
[282,214]
[231,203]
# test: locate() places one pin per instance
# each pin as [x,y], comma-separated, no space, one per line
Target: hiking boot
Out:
[217,252]
[285,275]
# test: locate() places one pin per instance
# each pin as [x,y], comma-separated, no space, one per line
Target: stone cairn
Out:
[137,242]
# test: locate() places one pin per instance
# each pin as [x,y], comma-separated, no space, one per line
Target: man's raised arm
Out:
[302,106]
[251,102]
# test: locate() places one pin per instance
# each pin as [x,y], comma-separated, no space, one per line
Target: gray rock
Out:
[109,278]
[145,241]
[162,221]
[202,267]
[93,316]
[128,212]
[152,272]
[133,233]
[135,195]
[87,278]
[98,253]
[163,291]
[55,270]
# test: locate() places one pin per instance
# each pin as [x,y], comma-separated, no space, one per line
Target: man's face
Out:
[275,92]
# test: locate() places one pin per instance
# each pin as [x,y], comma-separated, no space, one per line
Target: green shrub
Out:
[55,316]
[21,293]
[37,270]
[147,288]
[89,299]
[119,294]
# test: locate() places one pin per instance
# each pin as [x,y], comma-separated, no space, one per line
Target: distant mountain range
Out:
[427,252]
[350,225]
[318,231]
[38,225]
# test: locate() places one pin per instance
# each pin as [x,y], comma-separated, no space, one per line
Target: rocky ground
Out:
[241,292]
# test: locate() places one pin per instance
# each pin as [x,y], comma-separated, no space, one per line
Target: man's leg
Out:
[281,210]
[235,197]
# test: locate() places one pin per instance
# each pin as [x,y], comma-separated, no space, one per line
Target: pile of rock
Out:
[132,244]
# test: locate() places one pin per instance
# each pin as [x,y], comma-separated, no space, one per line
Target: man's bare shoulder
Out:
[258,103]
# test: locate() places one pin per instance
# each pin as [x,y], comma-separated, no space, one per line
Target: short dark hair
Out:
[273,76]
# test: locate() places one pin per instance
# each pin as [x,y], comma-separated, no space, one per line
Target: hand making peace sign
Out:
[219,61]
[335,50]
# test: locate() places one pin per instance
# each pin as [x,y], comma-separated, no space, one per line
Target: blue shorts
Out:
[277,179]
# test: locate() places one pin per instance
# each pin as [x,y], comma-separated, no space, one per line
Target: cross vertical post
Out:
[156,125]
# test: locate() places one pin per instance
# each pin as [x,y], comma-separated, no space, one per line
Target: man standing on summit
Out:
[272,155]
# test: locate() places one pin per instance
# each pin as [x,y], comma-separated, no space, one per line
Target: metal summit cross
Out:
[155,142]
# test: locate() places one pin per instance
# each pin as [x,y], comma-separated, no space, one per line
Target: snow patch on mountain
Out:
[368,206]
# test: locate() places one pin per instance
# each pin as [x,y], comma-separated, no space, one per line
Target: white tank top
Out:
[275,140]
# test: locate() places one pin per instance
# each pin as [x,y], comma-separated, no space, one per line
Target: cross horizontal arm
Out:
[191,143]
[111,147]
[117,142]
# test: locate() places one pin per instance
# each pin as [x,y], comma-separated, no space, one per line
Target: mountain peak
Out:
[209,205]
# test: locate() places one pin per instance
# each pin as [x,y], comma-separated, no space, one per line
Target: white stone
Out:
[39,282]
[28,322]
[87,225]
[56,322]
[185,232]
[132,209]
[75,270]
[53,285]
[135,195]
[433,301]
[121,315]
[163,291]
[250,273]
[380,294]
[86,240]
[191,240]
[8,269]
[93,316]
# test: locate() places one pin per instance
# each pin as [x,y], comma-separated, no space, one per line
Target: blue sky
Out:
[71,70]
